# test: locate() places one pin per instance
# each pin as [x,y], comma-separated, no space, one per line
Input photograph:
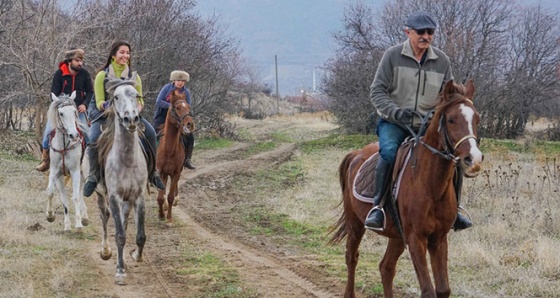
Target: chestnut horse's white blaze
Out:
[125,172]
[475,152]
[65,154]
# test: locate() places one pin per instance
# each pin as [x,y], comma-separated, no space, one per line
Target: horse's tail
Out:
[339,227]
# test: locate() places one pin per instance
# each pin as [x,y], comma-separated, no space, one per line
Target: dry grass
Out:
[512,251]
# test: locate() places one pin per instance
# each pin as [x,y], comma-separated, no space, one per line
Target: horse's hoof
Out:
[105,255]
[50,218]
[136,256]
[120,279]
[175,202]
[85,222]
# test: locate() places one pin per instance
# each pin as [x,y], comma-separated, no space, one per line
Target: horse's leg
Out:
[64,199]
[388,265]
[171,196]
[139,217]
[104,213]
[120,237]
[418,247]
[176,192]
[50,194]
[161,200]
[126,213]
[355,231]
[438,258]
[76,197]
[84,166]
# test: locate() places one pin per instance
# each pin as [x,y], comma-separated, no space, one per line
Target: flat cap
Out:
[421,20]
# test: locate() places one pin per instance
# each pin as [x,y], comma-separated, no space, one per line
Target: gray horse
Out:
[124,177]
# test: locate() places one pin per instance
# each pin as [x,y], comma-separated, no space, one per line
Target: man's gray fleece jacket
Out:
[402,83]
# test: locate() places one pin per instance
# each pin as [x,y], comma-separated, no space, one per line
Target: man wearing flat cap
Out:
[407,82]
[69,77]
[178,80]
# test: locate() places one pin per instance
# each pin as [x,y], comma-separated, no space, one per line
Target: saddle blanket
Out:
[363,187]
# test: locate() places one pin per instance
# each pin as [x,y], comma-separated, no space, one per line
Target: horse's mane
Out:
[457,97]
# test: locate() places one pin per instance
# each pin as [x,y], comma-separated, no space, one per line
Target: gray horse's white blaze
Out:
[475,152]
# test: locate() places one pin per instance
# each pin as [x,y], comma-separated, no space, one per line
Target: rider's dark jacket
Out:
[65,82]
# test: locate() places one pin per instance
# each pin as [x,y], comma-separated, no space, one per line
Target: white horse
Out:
[66,148]
[125,171]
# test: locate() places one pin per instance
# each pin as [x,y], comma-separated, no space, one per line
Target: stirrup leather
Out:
[384,219]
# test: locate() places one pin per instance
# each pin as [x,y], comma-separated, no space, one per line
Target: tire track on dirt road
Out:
[258,269]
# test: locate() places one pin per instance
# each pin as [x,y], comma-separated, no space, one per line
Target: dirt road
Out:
[204,222]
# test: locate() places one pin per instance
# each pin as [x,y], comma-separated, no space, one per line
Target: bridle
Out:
[176,116]
[68,144]
[449,148]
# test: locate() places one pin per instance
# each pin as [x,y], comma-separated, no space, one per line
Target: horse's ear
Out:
[53,97]
[470,90]
[73,95]
[448,89]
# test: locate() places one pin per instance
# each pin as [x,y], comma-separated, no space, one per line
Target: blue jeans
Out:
[48,128]
[391,137]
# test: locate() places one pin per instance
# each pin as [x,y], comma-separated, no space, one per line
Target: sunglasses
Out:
[423,31]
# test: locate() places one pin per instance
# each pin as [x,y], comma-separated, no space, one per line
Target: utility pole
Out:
[277,92]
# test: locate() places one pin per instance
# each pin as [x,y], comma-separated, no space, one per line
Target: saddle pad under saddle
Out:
[363,187]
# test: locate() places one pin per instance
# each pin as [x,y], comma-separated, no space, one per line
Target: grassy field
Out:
[512,251]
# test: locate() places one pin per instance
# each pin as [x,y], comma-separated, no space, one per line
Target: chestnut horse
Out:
[170,152]
[426,198]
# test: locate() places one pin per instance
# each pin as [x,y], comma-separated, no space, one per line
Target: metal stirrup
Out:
[384,218]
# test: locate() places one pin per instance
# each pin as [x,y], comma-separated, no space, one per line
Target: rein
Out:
[68,145]
[176,116]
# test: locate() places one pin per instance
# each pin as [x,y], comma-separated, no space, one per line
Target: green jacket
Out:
[401,82]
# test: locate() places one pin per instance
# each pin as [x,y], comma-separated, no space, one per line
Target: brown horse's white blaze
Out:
[472,163]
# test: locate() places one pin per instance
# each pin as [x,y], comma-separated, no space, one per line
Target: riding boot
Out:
[45,161]
[155,180]
[375,218]
[188,142]
[94,172]
[461,222]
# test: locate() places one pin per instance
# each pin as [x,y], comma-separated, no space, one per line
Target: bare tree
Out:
[165,35]
[509,51]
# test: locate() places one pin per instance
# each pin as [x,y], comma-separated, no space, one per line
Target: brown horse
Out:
[426,199]
[170,154]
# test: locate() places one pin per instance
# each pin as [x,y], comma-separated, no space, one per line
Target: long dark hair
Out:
[114,48]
